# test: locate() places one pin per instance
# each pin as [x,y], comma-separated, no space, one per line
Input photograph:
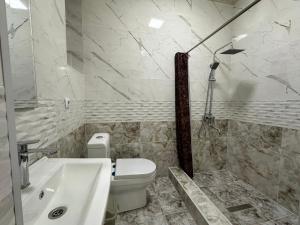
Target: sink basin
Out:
[75,190]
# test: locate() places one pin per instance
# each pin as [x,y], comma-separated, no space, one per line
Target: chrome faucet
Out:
[23,152]
[23,161]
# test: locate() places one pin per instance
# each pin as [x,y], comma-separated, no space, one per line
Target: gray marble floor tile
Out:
[152,208]
[290,220]
[248,217]
[269,208]
[163,184]
[226,192]
[169,199]
[163,200]
[231,194]
[151,190]
[214,178]
[151,214]
[183,218]
[171,202]
[265,205]
[135,219]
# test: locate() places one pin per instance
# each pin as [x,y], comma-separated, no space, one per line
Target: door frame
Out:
[10,114]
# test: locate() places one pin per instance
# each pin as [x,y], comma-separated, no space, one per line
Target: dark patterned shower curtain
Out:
[183,121]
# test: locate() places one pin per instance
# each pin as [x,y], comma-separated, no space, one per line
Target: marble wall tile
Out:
[74,34]
[253,154]
[150,140]
[158,132]
[261,79]
[73,145]
[163,154]
[49,122]
[290,142]
[266,139]
[121,133]
[209,147]
[289,191]
[127,62]
[129,150]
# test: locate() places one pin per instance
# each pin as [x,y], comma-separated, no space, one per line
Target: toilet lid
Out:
[134,168]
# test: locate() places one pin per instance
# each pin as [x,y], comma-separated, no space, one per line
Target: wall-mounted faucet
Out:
[23,152]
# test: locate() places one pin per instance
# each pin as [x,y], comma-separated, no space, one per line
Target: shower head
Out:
[214,65]
[232,51]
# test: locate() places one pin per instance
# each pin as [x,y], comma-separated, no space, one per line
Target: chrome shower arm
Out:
[225,24]
[219,49]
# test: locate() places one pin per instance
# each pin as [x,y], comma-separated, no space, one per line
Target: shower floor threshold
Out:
[218,197]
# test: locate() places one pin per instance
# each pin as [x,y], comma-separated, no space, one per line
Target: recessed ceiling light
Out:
[156,23]
[16,4]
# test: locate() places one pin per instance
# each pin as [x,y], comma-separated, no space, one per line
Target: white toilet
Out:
[130,176]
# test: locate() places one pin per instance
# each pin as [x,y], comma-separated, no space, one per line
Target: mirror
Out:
[21,53]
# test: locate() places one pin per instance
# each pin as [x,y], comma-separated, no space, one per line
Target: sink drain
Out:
[57,212]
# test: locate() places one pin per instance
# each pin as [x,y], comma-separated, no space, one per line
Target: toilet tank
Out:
[99,146]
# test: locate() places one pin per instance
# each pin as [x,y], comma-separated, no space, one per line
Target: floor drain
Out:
[239,207]
[57,212]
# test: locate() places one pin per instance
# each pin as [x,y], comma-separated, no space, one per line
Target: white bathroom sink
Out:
[80,185]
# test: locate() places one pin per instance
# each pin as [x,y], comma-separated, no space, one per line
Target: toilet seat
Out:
[134,168]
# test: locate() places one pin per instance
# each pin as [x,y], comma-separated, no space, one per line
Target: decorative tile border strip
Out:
[200,206]
[96,111]
[276,113]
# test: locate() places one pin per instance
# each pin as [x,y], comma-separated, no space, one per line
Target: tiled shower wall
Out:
[266,157]
[264,93]
[209,146]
